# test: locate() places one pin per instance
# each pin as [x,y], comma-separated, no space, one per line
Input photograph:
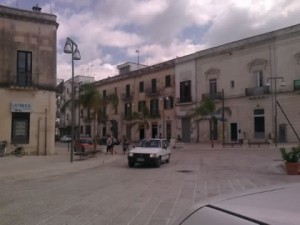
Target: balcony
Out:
[23,80]
[149,92]
[127,98]
[184,99]
[213,96]
[126,116]
[88,120]
[256,91]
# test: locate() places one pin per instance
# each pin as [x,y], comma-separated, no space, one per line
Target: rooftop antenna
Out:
[36,8]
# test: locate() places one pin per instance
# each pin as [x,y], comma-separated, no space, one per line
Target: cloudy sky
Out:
[108,32]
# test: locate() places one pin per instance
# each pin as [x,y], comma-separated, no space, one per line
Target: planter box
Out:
[293,168]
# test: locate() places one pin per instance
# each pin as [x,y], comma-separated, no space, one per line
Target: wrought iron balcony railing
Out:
[213,96]
[256,91]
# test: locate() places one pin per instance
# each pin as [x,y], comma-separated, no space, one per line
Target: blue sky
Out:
[108,32]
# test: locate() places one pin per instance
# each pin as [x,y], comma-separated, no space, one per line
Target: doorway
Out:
[282,133]
[259,123]
[142,133]
[186,129]
[234,132]
[154,130]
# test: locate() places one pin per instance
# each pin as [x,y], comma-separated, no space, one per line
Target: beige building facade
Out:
[145,106]
[28,79]
[251,73]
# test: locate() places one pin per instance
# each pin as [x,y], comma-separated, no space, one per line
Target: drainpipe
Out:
[38,137]
[45,131]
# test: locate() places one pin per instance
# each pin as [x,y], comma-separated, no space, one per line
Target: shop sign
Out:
[20,107]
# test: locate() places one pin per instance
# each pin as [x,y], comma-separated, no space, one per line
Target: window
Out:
[232,84]
[88,113]
[259,78]
[128,90]
[185,91]
[127,110]
[168,102]
[168,81]
[154,107]
[81,113]
[153,86]
[212,86]
[141,86]
[88,130]
[20,128]
[24,68]
[104,93]
[141,106]
[296,85]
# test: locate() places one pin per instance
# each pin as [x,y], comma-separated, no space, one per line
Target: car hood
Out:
[144,150]
[275,205]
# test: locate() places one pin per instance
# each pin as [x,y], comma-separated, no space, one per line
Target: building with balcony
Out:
[251,73]
[83,119]
[28,79]
[143,105]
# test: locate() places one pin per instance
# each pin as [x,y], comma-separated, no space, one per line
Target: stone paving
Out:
[103,190]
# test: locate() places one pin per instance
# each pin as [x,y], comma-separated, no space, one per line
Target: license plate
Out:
[140,159]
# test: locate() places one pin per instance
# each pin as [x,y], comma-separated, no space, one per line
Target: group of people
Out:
[111,141]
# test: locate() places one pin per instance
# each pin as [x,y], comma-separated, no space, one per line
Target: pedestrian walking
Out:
[125,144]
[108,144]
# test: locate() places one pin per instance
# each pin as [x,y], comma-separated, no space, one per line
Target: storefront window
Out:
[20,128]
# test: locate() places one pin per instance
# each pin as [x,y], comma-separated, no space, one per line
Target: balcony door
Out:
[24,68]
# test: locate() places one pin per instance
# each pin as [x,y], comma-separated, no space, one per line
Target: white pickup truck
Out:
[150,151]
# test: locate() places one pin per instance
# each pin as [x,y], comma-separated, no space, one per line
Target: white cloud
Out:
[104,28]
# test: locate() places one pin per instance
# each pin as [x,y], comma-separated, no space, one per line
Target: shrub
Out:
[291,156]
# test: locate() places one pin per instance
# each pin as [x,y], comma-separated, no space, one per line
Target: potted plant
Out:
[291,159]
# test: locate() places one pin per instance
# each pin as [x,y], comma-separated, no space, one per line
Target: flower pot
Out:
[292,168]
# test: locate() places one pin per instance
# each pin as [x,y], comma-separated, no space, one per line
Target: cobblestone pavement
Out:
[103,190]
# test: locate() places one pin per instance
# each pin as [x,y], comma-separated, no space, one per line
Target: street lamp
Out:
[69,49]
[275,97]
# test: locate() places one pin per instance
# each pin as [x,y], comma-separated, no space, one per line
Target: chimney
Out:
[36,8]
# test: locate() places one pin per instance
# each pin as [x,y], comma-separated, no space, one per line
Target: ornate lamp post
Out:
[69,49]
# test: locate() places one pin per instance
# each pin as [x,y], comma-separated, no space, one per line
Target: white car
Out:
[275,205]
[150,151]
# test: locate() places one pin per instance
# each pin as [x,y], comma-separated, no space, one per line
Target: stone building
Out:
[252,72]
[82,122]
[28,79]
[145,105]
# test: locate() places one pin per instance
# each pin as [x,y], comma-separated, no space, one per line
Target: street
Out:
[111,193]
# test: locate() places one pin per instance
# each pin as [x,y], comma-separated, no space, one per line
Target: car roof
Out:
[276,205]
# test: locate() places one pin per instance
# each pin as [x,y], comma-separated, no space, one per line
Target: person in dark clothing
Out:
[125,143]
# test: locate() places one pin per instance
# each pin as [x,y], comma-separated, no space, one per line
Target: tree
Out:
[91,98]
[204,111]
[207,111]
